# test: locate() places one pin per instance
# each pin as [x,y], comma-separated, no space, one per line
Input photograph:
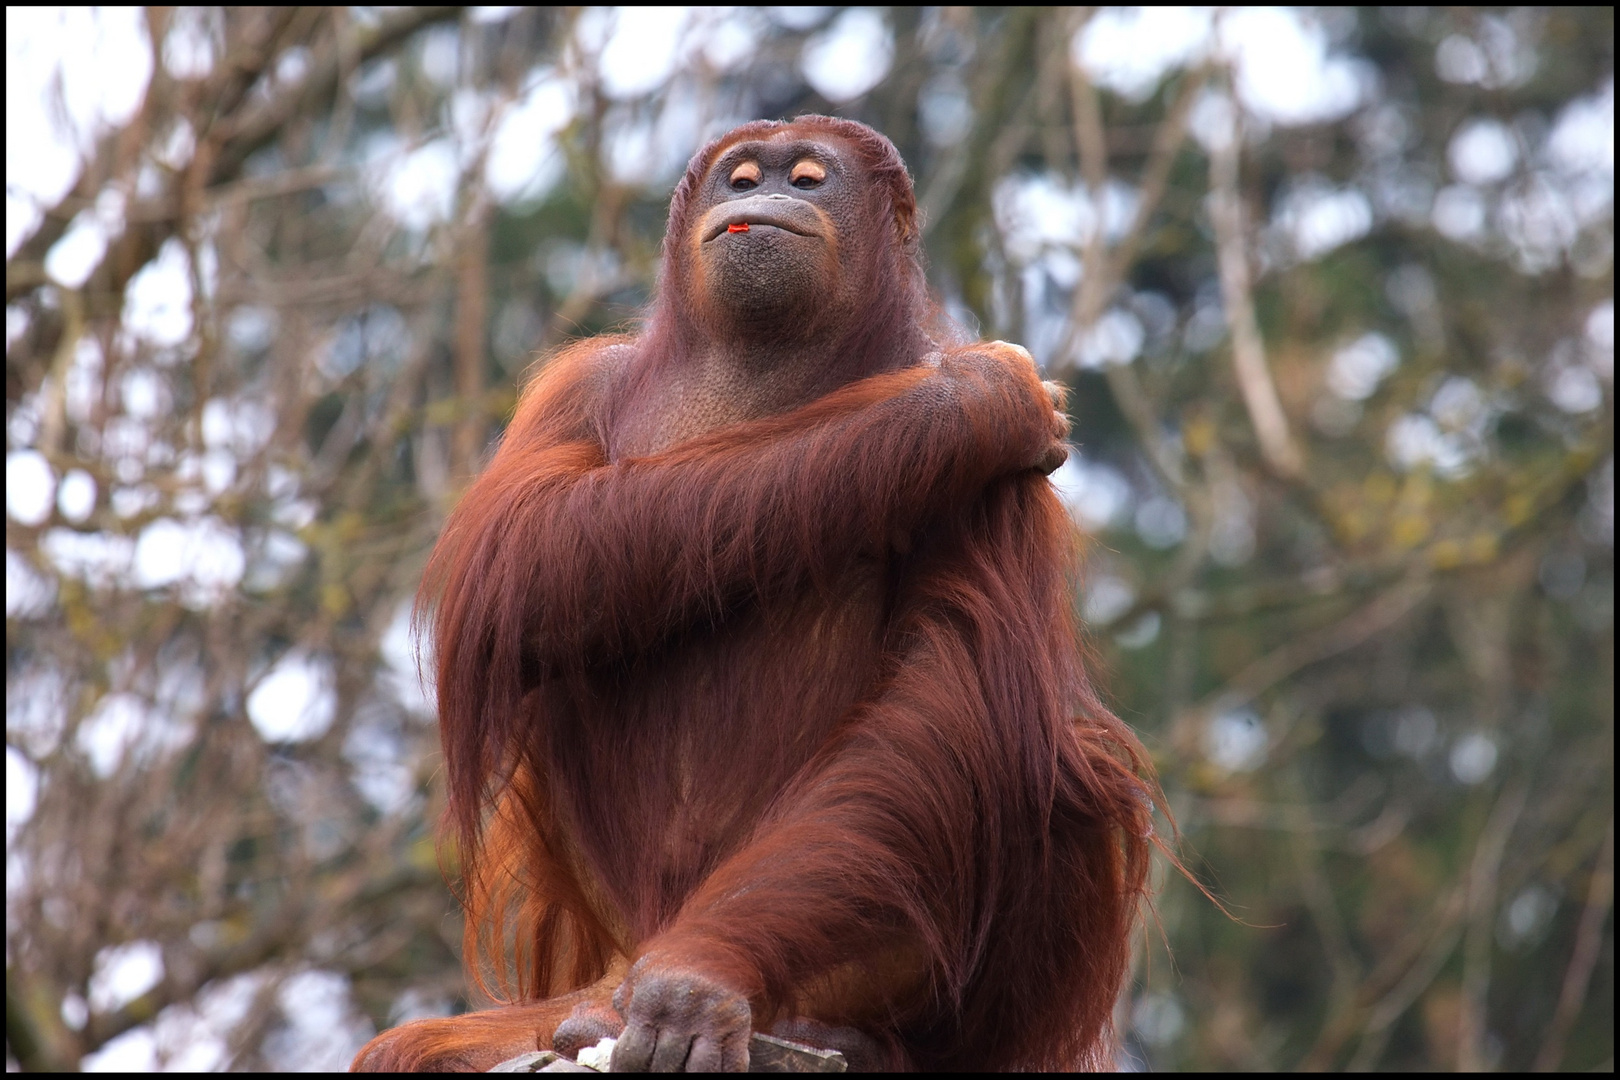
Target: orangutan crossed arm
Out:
[604,559]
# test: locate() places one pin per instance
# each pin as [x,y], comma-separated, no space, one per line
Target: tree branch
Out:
[1360,625]
[1248,351]
[1483,879]
[1588,943]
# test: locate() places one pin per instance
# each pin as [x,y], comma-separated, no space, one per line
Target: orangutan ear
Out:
[907,224]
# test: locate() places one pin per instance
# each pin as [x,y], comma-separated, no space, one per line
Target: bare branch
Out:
[472,293]
[24,1039]
[1588,943]
[1483,875]
[241,68]
[1360,625]
[236,140]
[1104,270]
[1421,972]
[1248,351]
[1321,903]
[256,128]
[1099,279]
[999,125]
[1168,139]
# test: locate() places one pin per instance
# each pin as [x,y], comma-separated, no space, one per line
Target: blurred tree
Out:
[1334,289]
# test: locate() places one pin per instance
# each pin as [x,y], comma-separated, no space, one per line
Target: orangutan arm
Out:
[556,561]
[609,559]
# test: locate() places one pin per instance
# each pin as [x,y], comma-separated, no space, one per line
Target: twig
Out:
[1475,893]
[1099,279]
[1381,613]
[239,70]
[590,287]
[1097,282]
[24,1039]
[1167,142]
[1248,351]
[53,392]
[1483,875]
[256,127]
[471,305]
[1393,1005]
[1324,909]
[997,129]
[248,188]
[1588,942]
[246,134]
[1104,270]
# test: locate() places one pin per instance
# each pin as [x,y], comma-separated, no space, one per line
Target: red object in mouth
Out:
[741,226]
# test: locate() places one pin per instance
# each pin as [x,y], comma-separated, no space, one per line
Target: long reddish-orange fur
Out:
[799,702]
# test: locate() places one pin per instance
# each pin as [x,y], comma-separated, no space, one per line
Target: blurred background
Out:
[1333,290]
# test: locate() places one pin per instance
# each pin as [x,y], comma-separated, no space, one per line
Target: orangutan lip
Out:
[753,221]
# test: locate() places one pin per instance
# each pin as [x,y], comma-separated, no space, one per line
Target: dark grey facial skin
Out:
[790,272]
[773,302]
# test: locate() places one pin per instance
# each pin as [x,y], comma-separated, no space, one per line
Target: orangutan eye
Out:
[807,174]
[745,176]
